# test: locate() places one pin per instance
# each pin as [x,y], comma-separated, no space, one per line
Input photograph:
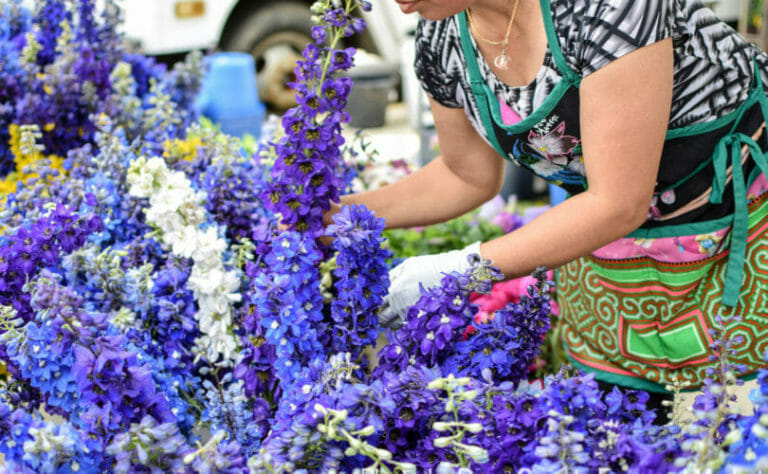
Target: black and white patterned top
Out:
[713,63]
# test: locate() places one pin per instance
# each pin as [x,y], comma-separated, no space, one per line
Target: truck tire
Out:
[275,34]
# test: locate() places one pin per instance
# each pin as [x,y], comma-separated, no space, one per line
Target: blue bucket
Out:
[229,94]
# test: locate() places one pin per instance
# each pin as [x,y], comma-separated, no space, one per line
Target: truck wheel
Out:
[275,35]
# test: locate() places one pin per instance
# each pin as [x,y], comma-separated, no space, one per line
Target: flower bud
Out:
[764,419]
[732,437]
[440,426]
[437,384]
[383,454]
[474,427]
[367,431]
[443,442]
[407,468]
[469,395]
[480,455]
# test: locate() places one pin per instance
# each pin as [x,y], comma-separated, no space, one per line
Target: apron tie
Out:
[728,153]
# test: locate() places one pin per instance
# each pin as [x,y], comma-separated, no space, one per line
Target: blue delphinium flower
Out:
[112,388]
[233,187]
[295,441]
[115,387]
[703,440]
[48,17]
[35,246]
[256,366]
[66,85]
[304,176]
[11,82]
[361,278]
[173,317]
[749,436]
[414,407]
[509,342]
[30,444]
[288,301]
[226,409]
[46,361]
[217,455]
[512,421]
[435,323]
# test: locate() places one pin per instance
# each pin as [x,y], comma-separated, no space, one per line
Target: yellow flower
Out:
[49,126]
[181,150]
[10,183]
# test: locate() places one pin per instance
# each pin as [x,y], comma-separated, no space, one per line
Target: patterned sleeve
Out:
[431,43]
[608,29]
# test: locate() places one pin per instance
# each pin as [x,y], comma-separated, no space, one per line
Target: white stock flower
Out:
[145,176]
[167,222]
[192,211]
[177,180]
[209,249]
[221,293]
[205,282]
[141,184]
[176,210]
[167,200]
[183,240]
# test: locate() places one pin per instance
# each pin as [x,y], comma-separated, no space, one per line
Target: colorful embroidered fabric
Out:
[640,312]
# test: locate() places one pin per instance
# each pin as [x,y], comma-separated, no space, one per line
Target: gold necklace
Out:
[501,61]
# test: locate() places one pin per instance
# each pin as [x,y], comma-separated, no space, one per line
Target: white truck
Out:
[273,31]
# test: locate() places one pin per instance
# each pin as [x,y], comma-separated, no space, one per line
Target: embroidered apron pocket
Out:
[640,315]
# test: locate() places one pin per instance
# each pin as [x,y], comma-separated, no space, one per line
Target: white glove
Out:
[428,270]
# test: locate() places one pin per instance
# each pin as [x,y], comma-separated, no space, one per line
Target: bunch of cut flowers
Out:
[168,304]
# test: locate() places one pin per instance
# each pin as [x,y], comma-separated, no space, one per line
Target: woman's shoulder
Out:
[438,60]
[435,32]
[592,33]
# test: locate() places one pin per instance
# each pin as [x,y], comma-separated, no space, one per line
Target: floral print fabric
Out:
[687,248]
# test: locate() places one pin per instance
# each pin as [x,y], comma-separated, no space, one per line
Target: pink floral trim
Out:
[687,248]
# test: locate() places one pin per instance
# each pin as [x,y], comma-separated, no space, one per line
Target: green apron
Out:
[639,321]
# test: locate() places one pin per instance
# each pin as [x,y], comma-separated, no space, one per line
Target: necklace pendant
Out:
[502,61]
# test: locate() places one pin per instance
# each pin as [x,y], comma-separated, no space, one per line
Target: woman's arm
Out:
[624,116]
[467,174]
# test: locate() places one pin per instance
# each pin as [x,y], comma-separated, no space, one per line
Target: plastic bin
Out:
[369,97]
[229,94]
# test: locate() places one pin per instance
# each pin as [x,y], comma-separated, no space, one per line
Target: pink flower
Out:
[555,145]
[503,293]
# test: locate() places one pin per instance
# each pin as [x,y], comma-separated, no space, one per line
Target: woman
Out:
[651,114]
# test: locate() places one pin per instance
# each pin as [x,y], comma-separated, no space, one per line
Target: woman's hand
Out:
[407,279]
[328,216]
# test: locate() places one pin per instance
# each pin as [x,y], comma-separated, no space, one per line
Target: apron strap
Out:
[728,152]
[478,86]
